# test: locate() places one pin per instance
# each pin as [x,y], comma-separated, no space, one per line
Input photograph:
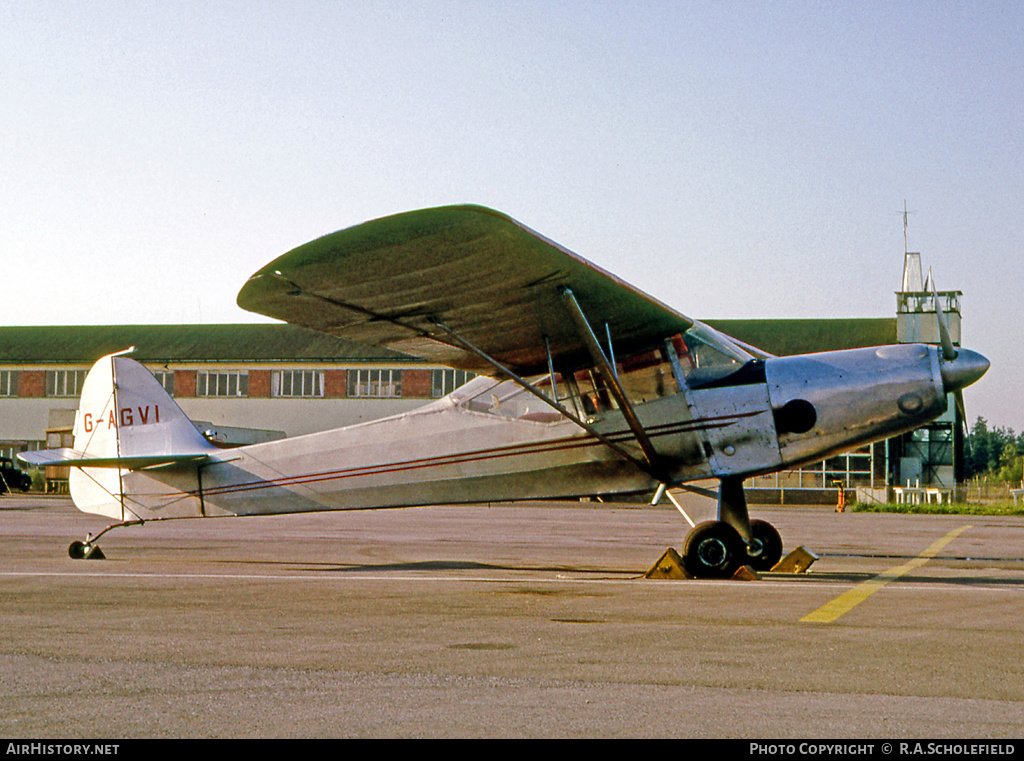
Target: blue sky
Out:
[735,160]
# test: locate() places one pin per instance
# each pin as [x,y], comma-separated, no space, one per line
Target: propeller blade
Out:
[960,368]
[949,352]
[958,395]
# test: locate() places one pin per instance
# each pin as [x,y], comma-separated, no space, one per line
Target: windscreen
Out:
[707,356]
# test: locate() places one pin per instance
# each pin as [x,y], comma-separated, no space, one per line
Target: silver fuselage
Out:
[489,442]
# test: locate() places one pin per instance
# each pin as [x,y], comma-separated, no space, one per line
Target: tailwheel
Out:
[765,549]
[89,550]
[713,549]
[85,551]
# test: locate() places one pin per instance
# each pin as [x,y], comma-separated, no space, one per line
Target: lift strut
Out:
[611,379]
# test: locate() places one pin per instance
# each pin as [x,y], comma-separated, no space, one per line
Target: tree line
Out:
[994,453]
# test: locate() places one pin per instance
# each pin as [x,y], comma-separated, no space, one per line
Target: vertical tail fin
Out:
[125,413]
[125,421]
[126,416]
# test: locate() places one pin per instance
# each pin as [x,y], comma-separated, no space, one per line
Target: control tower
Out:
[933,455]
[917,320]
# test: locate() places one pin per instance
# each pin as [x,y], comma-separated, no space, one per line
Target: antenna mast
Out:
[912,276]
[905,213]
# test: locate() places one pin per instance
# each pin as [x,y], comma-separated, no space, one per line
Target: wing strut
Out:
[352,307]
[644,466]
[611,379]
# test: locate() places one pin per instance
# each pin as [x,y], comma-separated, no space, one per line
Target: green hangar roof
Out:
[84,344]
[786,337]
[184,343]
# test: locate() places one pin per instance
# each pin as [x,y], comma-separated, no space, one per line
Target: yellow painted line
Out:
[850,599]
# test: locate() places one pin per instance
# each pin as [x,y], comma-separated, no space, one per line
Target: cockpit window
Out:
[706,356]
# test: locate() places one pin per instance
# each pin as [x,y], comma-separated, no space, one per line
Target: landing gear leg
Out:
[732,506]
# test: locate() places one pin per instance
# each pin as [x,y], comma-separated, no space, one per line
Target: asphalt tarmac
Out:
[526,620]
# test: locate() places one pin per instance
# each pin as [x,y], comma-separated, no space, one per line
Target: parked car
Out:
[12,478]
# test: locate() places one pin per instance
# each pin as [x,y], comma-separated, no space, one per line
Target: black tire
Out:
[765,546]
[713,550]
[76,550]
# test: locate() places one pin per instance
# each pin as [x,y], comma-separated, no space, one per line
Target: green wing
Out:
[490,279]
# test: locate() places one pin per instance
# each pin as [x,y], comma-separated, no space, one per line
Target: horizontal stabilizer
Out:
[76,458]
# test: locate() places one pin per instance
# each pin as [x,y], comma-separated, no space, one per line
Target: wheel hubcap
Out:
[713,553]
[756,548]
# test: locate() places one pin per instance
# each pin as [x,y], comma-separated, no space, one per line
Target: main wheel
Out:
[713,550]
[765,548]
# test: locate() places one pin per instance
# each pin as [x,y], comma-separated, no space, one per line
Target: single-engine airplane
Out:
[587,387]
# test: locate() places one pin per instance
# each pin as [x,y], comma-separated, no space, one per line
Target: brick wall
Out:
[416,384]
[185,383]
[32,383]
[336,384]
[259,384]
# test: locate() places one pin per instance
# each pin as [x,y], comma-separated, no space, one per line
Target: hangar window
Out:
[8,382]
[297,383]
[443,382]
[375,383]
[64,382]
[166,379]
[226,384]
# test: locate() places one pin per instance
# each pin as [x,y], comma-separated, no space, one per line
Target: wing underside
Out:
[499,285]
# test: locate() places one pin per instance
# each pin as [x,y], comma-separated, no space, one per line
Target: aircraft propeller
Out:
[959,367]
